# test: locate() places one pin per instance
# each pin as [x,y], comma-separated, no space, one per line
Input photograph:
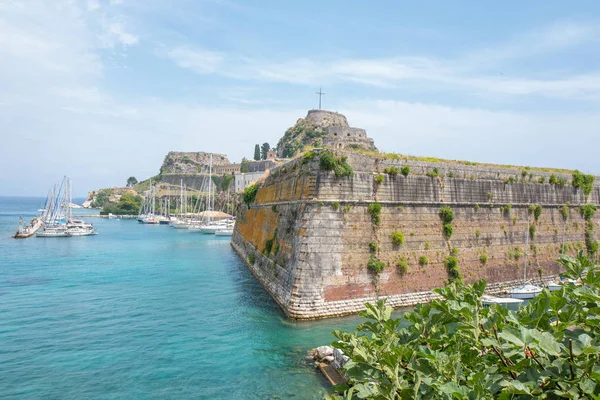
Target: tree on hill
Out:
[256,152]
[129,204]
[131,181]
[244,165]
[264,149]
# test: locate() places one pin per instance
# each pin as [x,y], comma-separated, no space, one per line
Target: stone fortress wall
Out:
[320,231]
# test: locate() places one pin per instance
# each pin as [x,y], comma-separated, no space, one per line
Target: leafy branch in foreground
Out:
[454,348]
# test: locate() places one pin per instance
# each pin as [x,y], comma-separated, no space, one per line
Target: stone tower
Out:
[321,128]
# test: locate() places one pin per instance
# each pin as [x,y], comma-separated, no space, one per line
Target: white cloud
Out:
[200,61]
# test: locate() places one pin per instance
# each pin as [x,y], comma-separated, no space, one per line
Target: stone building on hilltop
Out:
[323,128]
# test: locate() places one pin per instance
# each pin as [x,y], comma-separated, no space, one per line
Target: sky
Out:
[100,90]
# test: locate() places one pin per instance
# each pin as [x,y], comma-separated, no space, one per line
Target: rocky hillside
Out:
[308,132]
[177,162]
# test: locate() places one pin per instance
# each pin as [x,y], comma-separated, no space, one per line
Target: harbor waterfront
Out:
[144,311]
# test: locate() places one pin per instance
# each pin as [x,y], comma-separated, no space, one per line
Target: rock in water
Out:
[324,351]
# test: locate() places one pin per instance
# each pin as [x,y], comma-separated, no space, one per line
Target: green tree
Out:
[131,181]
[256,152]
[455,348]
[264,149]
[244,165]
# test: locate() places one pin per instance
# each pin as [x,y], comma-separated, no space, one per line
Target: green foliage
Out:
[588,211]
[244,165]
[335,205]
[451,264]
[423,261]
[268,246]
[506,209]
[397,238]
[433,173]
[446,214]
[374,210]
[557,180]
[483,258]
[591,244]
[307,157]
[392,171]
[131,181]
[477,233]
[541,179]
[256,152]
[564,212]
[329,162]
[448,230]
[250,193]
[454,348]
[583,181]
[476,207]
[454,251]
[373,247]
[532,232]
[101,198]
[402,266]
[375,265]
[128,204]
[510,180]
[264,149]
[536,210]
[274,208]
[379,179]
[427,245]
[251,258]
[405,170]
[347,208]
[515,253]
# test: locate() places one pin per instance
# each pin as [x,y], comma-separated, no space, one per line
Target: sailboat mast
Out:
[209,187]
[526,248]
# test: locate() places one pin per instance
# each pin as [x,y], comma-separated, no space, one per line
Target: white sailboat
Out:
[527,291]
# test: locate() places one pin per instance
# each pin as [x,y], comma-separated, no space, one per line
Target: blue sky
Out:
[101,90]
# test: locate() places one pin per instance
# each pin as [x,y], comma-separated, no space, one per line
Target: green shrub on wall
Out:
[405,170]
[584,182]
[423,261]
[451,264]
[391,170]
[446,214]
[397,238]
[251,258]
[588,211]
[375,265]
[374,210]
[373,247]
[402,265]
[379,179]
[250,194]
[340,166]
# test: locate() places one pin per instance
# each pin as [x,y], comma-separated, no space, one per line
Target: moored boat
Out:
[224,232]
[525,292]
[53,232]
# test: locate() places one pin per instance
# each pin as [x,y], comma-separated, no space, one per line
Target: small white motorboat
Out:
[53,232]
[553,287]
[224,232]
[80,231]
[503,301]
[525,292]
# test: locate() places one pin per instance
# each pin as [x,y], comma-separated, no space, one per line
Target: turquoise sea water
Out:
[144,312]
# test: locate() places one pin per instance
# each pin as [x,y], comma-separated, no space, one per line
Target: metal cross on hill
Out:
[320,93]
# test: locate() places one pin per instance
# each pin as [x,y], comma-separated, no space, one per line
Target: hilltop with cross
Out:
[322,128]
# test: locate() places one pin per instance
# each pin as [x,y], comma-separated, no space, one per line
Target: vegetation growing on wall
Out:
[251,258]
[505,209]
[375,265]
[423,261]
[451,264]
[584,182]
[536,210]
[591,244]
[433,173]
[335,205]
[405,170]
[392,170]
[250,193]
[340,166]
[557,180]
[374,210]
[397,238]
[447,216]
[379,179]
[454,348]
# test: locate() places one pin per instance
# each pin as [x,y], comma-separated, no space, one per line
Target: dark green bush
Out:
[374,210]
[588,211]
[446,214]
[251,258]
[451,264]
[448,230]
[328,161]
[433,173]
[532,232]
[335,205]
[423,261]
[583,181]
[250,194]
[373,247]
[375,265]
[405,170]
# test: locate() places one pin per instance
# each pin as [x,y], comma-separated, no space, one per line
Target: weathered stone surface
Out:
[320,231]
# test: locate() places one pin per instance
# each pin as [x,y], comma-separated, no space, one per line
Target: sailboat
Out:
[527,291]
